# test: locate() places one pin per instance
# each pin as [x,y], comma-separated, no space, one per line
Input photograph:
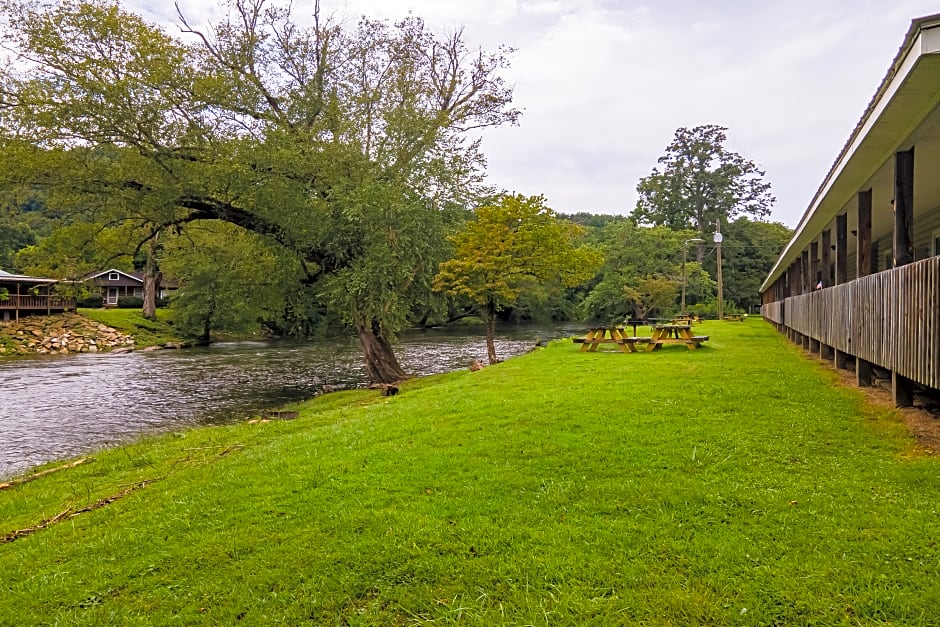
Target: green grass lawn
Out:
[733,485]
[131,321]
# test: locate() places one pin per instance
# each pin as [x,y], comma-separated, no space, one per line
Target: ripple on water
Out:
[58,407]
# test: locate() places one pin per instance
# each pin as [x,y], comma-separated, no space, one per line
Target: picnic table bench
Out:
[609,335]
[674,334]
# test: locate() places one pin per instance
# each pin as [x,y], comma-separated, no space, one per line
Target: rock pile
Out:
[62,334]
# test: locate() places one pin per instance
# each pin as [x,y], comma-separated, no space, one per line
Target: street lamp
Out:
[718,237]
[685,254]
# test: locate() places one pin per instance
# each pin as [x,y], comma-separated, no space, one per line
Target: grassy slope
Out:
[732,485]
[145,332]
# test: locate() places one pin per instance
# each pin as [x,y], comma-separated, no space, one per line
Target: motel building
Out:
[859,282]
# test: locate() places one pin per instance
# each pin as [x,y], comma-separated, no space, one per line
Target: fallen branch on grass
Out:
[28,478]
[70,512]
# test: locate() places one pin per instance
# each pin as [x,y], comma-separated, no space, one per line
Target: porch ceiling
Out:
[904,114]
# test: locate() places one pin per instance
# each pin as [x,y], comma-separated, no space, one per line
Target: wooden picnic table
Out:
[674,334]
[608,335]
[735,317]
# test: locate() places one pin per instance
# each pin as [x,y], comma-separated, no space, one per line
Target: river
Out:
[56,407]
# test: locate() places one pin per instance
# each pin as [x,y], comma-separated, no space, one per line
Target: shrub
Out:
[92,301]
[130,302]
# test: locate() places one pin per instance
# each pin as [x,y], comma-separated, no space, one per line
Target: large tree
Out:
[701,185]
[347,146]
[512,246]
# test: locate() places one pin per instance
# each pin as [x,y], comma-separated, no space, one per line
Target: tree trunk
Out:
[491,332]
[206,338]
[380,359]
[152,278]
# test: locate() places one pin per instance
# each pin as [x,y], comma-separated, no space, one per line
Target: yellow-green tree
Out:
[513,246]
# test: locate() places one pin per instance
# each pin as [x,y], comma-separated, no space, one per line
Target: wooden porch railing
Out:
[36,303]
[891,319]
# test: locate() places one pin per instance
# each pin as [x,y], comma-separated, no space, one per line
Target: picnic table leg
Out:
[617,335]
[686,336]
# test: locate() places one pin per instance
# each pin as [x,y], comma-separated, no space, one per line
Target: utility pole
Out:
[721,296]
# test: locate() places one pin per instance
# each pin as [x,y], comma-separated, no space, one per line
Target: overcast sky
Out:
[605,83]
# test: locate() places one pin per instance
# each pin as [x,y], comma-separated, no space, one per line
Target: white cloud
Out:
[605,83]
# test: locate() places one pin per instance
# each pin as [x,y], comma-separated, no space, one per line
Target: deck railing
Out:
[890,319]
[36,303]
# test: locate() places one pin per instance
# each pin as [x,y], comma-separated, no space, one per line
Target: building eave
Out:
[906,95]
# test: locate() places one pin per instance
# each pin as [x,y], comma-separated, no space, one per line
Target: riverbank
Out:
[61,334]
[159,332]
[676,487]
[87,331]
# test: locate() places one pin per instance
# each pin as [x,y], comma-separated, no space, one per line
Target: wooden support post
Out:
[863,251]
[863,373]
[902,390]
[824,262]
[814,272]
[841,250]
[904,208]
[796,273]
[839,359]
[806,286]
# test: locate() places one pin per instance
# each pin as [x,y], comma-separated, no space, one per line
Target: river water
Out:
[56,407]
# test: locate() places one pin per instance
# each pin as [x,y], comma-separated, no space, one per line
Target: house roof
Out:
[130,275]
[22,278]
[906,98]
[128,278]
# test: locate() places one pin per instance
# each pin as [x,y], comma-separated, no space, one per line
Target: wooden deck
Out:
[890,319]
[36,303]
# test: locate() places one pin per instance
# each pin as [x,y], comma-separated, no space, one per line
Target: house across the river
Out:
[114,284]
[21,294]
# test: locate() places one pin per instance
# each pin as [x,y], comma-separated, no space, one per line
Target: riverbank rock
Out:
[61,334]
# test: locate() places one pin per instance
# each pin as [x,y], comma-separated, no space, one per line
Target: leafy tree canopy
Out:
[642,273]
[346,145]
[516,244]
[700,184]
[229,280]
